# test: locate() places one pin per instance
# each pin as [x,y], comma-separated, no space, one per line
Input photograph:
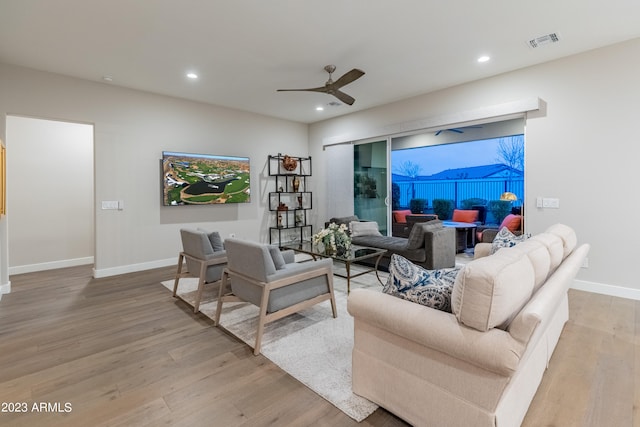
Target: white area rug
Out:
[311,345]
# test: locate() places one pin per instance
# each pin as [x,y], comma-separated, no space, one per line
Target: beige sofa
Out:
[480,365]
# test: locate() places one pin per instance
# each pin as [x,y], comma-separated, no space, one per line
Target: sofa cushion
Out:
[214,239]
[490,291]
[506,239]
[540,260]
[397,245]
[276,256]
[568,236]
[411,282]
[364,228]
[464,215]
[346,220]
[554,246]
[416,237]
[401,216]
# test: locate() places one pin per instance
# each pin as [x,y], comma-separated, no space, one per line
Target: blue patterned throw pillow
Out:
[506,239]
[416,284]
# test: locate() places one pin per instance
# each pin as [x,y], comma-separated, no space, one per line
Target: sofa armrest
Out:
[440,248]
[488,234]
[494,350]
[481,250]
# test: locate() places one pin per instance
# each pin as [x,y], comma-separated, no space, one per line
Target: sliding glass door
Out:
[370,185]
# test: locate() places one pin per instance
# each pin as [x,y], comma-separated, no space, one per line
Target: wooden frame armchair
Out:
[203,261]
[486,234]
[270,279]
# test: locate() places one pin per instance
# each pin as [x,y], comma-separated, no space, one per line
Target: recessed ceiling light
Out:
[484,58]
[321,108]
[107,78]
[192,75]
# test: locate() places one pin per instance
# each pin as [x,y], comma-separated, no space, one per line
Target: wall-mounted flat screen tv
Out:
[204,179]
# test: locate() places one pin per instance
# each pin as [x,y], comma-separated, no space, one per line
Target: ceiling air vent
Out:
[543,40]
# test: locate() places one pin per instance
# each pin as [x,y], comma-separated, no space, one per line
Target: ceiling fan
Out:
[458,130]
[333,88]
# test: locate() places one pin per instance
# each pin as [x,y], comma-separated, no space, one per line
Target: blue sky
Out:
[436,158]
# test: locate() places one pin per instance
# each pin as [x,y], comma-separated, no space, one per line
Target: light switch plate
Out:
[109,204]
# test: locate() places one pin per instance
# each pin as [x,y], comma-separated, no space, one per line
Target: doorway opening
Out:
[50,194]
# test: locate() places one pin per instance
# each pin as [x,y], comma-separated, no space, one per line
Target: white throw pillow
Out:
[364,228]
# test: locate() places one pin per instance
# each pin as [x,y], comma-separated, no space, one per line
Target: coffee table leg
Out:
[348,266]
[376,267]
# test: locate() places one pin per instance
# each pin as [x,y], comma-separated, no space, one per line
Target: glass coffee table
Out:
[355,254]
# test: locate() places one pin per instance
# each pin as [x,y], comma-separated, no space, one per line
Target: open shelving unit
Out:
[290,201]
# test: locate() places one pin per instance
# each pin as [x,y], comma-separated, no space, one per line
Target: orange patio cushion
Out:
[464,215]
[401,216]
[512,222]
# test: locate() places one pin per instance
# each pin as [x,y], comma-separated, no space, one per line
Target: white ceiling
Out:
[243,50]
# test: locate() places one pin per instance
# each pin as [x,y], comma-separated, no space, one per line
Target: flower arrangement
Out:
[334,238]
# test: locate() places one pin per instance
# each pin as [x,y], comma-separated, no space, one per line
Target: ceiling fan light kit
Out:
[333,88]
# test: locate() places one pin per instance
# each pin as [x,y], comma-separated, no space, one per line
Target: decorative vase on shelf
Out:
[295,182]
[289,163]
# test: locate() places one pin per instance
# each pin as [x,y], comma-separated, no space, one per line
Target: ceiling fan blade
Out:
[343,97]
[347,78]
[333,88]
[312,89]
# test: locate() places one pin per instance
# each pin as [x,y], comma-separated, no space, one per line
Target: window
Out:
[459,174]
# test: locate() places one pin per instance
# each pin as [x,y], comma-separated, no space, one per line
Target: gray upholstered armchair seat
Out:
[272,280]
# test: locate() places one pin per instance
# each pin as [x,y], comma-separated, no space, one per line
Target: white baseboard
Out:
[582,285]
[30,268]
[132,268]
[5,289]
[601,288]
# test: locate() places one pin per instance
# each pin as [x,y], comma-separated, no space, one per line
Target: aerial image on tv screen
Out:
[201,179]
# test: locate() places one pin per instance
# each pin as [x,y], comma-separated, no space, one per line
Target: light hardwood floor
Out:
[122,352]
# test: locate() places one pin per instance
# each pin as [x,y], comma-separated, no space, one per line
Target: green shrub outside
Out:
[443,208]
[473,201]
[395,196]
[499,209]
[417,206]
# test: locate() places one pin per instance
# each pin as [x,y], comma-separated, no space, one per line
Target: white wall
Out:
[132,129]
[579,150]
[50,181]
